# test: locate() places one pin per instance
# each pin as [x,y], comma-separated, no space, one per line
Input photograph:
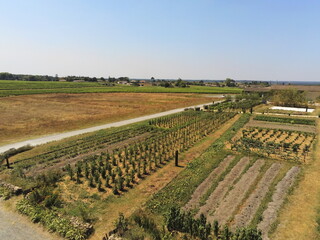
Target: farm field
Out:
[76,111]
[204,167]
[12,88]
[95,172]
[260,188]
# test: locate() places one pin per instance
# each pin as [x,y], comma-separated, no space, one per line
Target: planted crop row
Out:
[178,119]
[124,167]
[285,120]
[281,144]
[83,145]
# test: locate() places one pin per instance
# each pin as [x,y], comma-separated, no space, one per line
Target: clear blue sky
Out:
[191,39]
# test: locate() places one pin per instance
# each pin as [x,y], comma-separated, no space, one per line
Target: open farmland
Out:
[13,88]
[239,189]
[111,165]
[170,170]
[76,111]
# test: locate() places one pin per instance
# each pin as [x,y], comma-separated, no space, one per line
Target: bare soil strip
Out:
[245,216]
[205,185]
[270,214]
[223,187]
[302,128]
[237,194]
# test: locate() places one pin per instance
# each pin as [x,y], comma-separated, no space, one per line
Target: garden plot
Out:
[234,198]
[250,207]
[275,143]
[206,184]
[270,214]
[217,195]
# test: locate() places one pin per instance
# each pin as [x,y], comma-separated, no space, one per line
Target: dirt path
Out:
[14,226]
[205,185]
[237,194]
[136,197]
[56,137]
[270,214]
[223,187]
[244,217]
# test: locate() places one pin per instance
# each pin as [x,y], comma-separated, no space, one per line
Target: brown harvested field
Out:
[296,127]
[248,210]
[270,214]
[235,196]
[24,117]
[218,194]
[205,185]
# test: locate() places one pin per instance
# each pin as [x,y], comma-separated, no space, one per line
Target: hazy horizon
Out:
[249,40]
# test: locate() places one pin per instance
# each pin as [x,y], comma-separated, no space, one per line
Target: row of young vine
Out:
[83,145]
[122,168]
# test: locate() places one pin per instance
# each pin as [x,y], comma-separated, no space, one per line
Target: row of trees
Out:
[289,98]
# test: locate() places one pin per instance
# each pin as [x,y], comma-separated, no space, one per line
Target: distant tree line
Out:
[23,77]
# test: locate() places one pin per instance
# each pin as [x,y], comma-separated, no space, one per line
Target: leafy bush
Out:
[54,222]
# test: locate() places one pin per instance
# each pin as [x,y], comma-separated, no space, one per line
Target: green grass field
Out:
[11,88]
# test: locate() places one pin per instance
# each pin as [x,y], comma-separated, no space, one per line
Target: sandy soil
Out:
[244,217]
[223,187]
[205,185]
[237,194]
[270,214]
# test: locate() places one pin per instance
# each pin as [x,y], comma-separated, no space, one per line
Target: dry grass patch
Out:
[298,218]
[24,117]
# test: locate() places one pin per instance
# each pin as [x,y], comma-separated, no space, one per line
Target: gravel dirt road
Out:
[14,226]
